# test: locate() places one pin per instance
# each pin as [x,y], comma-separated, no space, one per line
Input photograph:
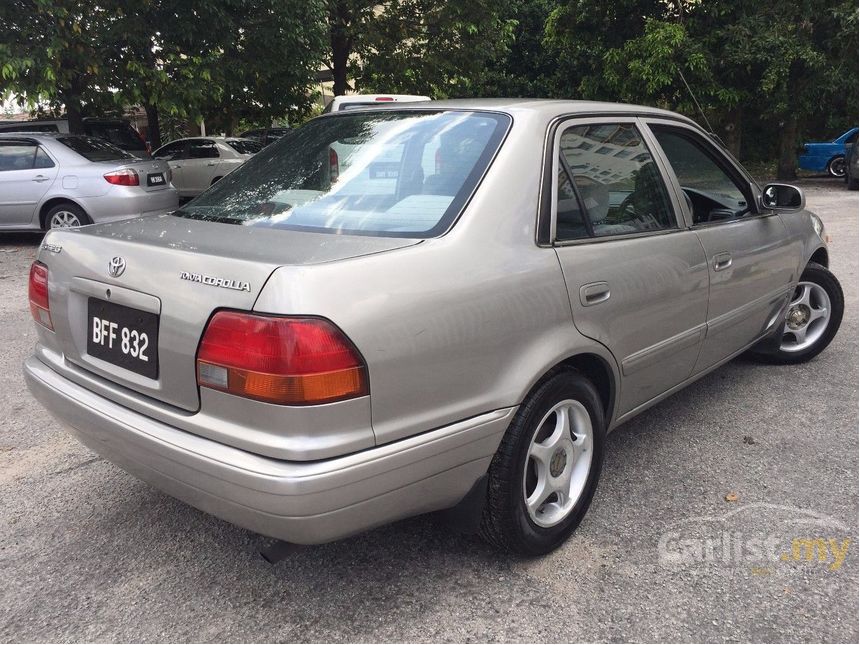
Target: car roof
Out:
[20,134]
[549,108]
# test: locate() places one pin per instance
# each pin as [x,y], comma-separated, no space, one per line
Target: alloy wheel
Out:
[558,463]
[807,317]
[64,219]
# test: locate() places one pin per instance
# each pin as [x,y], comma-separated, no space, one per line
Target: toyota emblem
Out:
[116,266]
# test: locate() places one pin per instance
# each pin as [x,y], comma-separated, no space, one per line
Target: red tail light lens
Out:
[384,99]
[289,361]
[38,292]
[123,177]
[333,165]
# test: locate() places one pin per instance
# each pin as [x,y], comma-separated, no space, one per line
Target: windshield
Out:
[245,146]
[93,149]
[386,173]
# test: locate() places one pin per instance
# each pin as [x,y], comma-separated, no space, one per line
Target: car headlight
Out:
[818,225]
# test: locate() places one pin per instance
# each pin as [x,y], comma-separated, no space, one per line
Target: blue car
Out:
[828,156]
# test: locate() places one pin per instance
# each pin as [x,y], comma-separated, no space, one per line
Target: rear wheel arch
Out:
[596,369]
[56,201]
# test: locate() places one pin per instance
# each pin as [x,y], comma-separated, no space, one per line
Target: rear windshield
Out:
[247,147]
[94,149]
[386,173]
[119,133]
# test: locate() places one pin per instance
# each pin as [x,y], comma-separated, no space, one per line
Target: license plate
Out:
[123,336]
[155,180]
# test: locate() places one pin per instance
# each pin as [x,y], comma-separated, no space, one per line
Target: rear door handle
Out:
[40,178]
[212,163]
[722,261]
[594,293]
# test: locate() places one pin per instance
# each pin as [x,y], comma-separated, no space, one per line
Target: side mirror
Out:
[783,197]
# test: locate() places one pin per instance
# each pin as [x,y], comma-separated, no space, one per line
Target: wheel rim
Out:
[837,167]
[558,463]
[64,219]
[807,317]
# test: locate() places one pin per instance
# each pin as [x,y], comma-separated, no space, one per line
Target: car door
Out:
[636,277]
[752,263]
[26,174]
[174,154]
[201,165]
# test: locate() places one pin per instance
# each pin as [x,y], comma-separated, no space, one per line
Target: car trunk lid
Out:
[180,270]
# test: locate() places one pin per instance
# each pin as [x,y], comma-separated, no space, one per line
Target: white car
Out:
[198,162]
[358,101]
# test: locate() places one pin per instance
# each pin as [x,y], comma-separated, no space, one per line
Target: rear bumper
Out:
[122,202]
[301,502]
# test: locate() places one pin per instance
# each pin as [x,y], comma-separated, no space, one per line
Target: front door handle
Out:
[40,178]
[594,293]
[211,163]
[722,261]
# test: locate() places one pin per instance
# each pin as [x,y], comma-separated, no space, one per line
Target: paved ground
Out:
[88,553]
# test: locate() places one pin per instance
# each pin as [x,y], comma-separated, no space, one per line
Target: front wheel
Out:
[836,166]
[811,320]
[545,472]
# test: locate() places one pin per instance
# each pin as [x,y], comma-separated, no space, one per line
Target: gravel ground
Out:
[87,553]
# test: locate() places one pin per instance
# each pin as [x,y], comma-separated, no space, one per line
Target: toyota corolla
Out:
[401,310]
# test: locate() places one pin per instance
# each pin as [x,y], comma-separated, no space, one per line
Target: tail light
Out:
[168,175]
[123,177]
[288,361]
[38,293]
[333,165]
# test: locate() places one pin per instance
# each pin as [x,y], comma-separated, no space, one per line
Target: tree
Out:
[50,51]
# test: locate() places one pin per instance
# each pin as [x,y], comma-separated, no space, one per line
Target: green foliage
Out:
[433,47]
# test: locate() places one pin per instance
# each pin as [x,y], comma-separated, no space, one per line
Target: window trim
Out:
[559,128]
[723,159]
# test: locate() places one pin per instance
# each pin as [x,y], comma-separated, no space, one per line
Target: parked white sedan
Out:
[198,162]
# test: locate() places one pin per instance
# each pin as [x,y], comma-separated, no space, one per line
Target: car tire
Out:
[528,455]
[817,290]
[836,166]
[65,215]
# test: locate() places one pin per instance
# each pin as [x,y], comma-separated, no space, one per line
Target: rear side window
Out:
[119,133]
[609,184]
[42,159]
[248,147]
[93,149]
[16,155]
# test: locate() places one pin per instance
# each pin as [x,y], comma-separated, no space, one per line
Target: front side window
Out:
[607,171]
[386,173]
[711,192]
[16,155]
[93,149]
[171,151]
[202,149]
[245,146]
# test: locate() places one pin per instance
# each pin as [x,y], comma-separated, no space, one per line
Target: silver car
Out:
[198,162]
[455,318]
[60,180]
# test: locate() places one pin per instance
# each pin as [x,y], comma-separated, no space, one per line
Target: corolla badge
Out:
[212,281]
[116,266]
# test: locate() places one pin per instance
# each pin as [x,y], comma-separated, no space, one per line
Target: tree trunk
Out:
[787,165]
[340,45]
[733,131]
[153,128]
[73,113]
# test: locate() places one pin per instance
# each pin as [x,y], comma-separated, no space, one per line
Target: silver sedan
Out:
[402,310]
[198,162]
[50,180]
